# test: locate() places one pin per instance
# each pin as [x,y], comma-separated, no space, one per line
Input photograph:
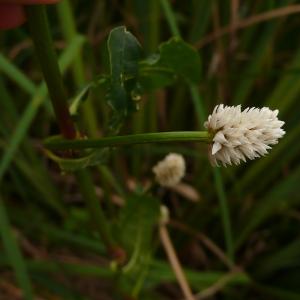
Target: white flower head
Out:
[238,134]
[169,171]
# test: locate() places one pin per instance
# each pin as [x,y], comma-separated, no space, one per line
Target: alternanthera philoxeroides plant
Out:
[233,136]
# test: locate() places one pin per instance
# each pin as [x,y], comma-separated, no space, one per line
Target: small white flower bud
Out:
[169,171]
[238,134]
[164,215]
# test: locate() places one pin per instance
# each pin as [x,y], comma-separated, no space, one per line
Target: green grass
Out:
[14,254]
[250,212]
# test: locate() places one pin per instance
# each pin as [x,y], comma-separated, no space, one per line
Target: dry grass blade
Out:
[234,21]
[272,14]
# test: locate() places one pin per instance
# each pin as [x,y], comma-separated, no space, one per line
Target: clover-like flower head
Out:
[238,134]
[169,171]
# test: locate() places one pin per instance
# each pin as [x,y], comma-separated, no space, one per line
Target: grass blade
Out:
[16,75]
[13,253]
[27,117]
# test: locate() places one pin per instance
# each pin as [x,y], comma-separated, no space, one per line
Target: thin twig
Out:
[175,264]
[234,21]
[219,57]
[275,13]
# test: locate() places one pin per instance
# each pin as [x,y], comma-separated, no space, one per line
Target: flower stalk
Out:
[127,140]
[40,33]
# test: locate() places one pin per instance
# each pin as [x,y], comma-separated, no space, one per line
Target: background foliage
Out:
[248,54]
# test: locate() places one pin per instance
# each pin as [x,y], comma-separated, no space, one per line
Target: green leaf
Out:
[11,71]
[182,58]
[87,158]
[153,77]
[83,94]
[124,54]
[78,99]
[137,222]
[138,219]
[92,158]
[175,58]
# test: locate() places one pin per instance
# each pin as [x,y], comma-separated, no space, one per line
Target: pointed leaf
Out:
[175,58]
[84,92]
[87,158]
[124,55]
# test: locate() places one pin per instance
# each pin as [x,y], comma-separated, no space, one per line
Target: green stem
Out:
[198,103]
[153,38]
[111,179]
[225,213]
[170,17]
[41,36]
[197,100]
[154,30]
[126,140]
[67,21]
